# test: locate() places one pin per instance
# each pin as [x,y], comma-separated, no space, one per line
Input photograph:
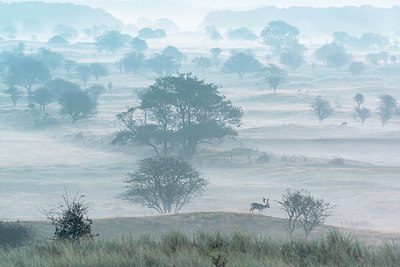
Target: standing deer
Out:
[259,207]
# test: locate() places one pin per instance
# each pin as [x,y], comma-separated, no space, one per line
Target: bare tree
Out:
[363,114]
[313,212]
[291,203]
[165,184]
[321,108]
[304,210]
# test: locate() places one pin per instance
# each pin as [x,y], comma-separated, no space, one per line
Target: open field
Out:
[36,162]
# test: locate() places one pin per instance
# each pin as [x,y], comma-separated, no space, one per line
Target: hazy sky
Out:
[189,13]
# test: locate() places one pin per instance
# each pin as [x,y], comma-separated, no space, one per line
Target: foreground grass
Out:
[204,249]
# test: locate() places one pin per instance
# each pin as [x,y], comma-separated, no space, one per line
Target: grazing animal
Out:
[343,124]
[259,207]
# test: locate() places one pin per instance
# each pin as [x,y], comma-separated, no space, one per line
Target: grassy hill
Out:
[193,223]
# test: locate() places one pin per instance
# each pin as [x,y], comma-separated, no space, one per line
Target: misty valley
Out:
[259,137]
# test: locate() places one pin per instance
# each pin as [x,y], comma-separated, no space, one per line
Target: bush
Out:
[14,234]
[70,220]
[263,158]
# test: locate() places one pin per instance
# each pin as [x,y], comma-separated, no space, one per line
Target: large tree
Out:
[279,35]
[178,113]
[387,108]
[110,41]
[241,63]
[321,108]
[165,184]
[27,72]
[78,105]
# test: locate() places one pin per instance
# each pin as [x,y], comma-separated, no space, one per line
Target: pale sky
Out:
[188,14]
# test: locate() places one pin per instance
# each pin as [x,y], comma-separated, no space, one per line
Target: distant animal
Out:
[259,207]
[343,124]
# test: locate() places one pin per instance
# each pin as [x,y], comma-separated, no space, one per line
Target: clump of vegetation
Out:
[206,249]
[263,158]
[71,220]
[337,161]
[304,211]
[14,234]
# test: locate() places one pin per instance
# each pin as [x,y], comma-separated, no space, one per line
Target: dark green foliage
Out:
[178,113]
[165,184]
[70,220]
[78,105]
[110,41]
[241,63]
[321,108]
[387,108]
[13,234]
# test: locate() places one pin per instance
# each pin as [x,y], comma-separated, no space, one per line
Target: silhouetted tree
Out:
[363,114]
[133,62]
[338,60]
[279,35]
[68,65]
[241,63]
[14,93]
[147,33]
[326,50]
[162,65]
[174,53]
[344,39]
[98,70]
[321,108]
[78,105]
[27,72]
[96,90]
[58,87]
[178,113]
[359,99]
[292,58]
[291,204]
[51,59]
[242,34]
[84,73]
[43,97]
[202,62]
[138,45]
[57,40]
[387,108]
[165,184]
[357,67]
[215,52]
[110,41]
[274,76]
[372,41]
[213,33]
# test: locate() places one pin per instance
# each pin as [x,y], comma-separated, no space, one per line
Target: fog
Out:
[351,161]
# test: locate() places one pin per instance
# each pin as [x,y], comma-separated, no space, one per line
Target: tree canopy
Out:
[241,63]
[178,113]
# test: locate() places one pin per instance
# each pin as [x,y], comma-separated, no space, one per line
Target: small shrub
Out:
[263,158]
[70,220]
[337,161]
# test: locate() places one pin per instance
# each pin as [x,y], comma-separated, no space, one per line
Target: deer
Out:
[259,207]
